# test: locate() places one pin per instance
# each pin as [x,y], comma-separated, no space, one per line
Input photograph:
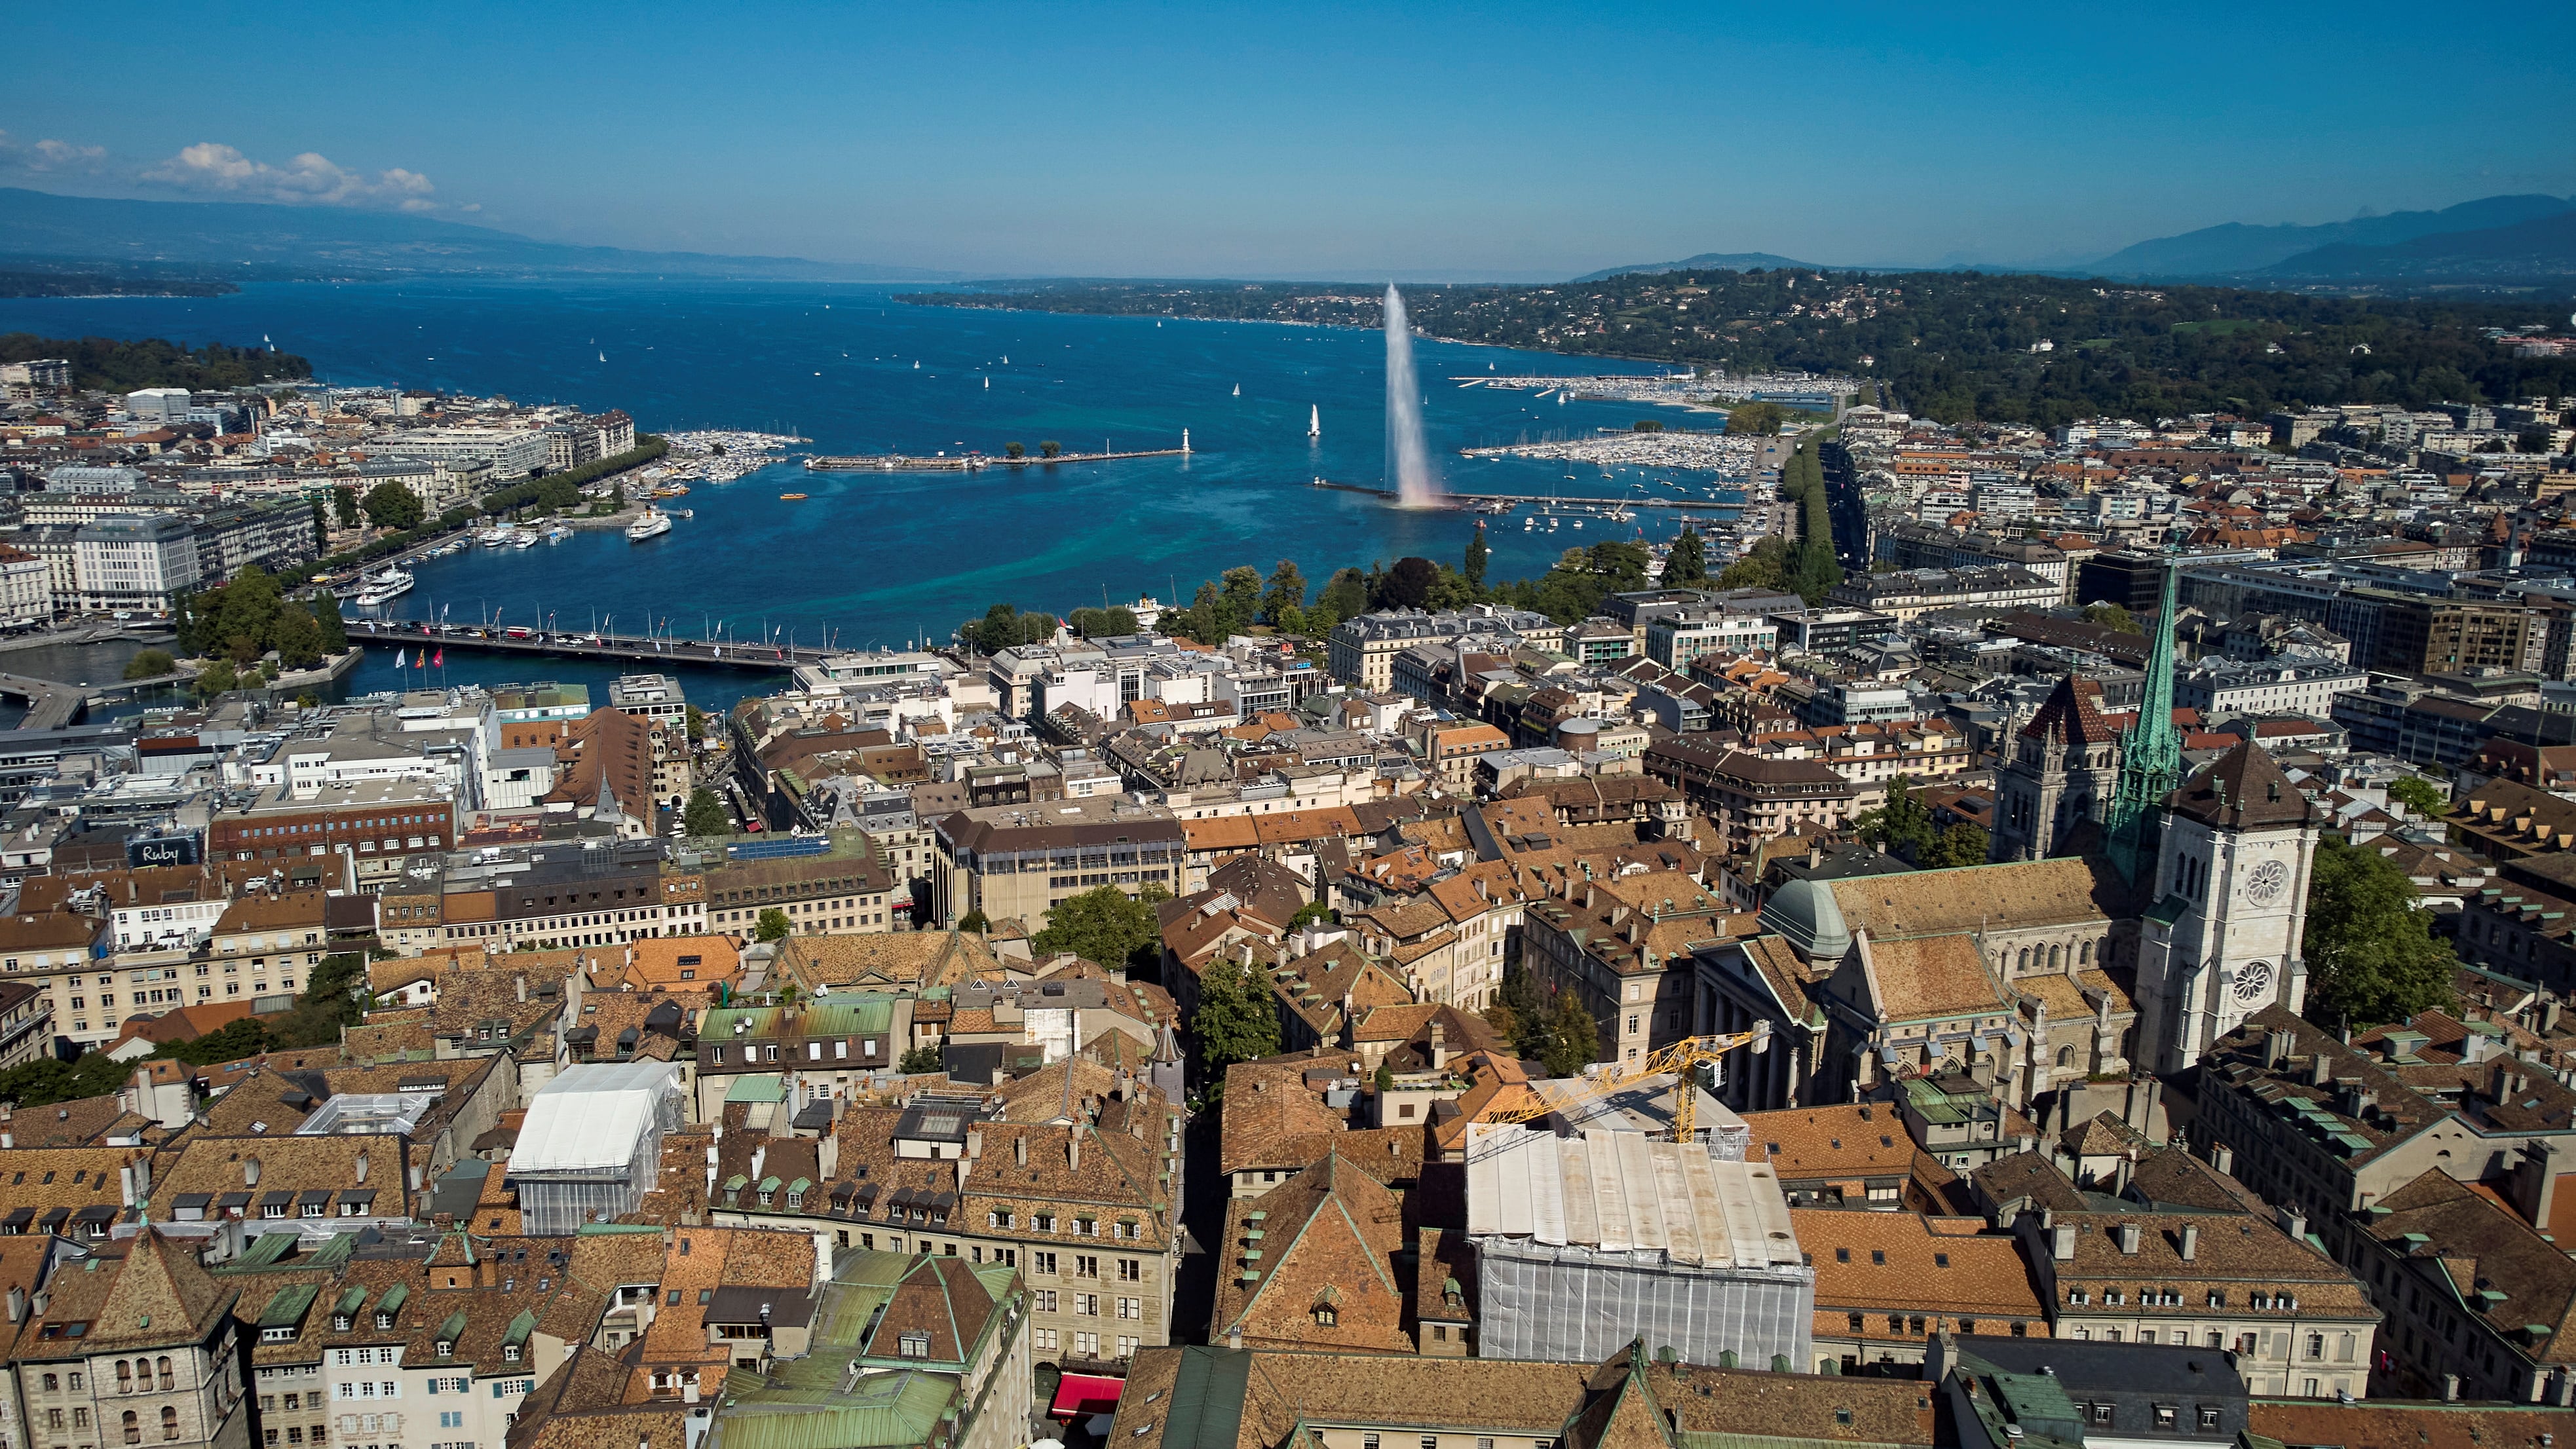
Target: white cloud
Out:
[309,179]
[48,155]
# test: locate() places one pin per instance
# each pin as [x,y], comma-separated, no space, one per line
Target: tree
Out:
[1050,448]
[2419,795]
[1902,826]
[975,921]
[1285,595]
[1573,1039]
[1961,844]
[1384,1080]
[1347,596]
[1646,425]
[1516,1014]
[1760,418]
[1103,623]
[392,506]
[335,630]
[1314,913]
[1239,599]
[697,723]
[150,664]
[297,638]
[1477,555]
[216,678]
[922,1061]
[2112,616]
[1686,567]
[1235,1020]
[2372,956]
[772,925]
[1103,924]
[705,814]
[1014,450]
[321,526]
[344,501]
[1408,584]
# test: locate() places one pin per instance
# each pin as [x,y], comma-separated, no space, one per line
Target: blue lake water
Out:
[882,559]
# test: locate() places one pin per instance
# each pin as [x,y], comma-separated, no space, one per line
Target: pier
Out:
[657,650]
[1468,502]
[52,704]
[969,462]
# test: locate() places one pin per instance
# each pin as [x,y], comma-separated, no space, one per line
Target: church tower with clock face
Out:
[2221,939]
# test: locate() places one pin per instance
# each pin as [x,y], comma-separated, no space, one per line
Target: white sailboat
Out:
[1238,389]
[988,384]
[1314,421]
[603,357]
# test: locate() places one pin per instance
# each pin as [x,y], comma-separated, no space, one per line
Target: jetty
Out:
[654,649]
[970,462]
[1457,502]
[52,704]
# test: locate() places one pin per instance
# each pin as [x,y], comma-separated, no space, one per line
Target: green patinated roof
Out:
[736,1183]
[843,1013]
[287,1305]
[396,1297]
[453,1329]
[756,1088]
[804,1408]
[520,1327]
[1207,1396]
[350,1302]
[769,1183]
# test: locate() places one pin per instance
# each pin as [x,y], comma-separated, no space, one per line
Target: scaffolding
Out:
[591,1145]
[1586,1243]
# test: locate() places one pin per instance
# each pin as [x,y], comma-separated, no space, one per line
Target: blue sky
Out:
[1409,140]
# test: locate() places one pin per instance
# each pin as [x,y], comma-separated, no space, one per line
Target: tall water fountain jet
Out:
[1408,461]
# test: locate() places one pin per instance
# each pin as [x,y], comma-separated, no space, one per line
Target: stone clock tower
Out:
[2231,907]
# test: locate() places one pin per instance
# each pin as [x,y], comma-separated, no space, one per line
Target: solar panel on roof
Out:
[785,847]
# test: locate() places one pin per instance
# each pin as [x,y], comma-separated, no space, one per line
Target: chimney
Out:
[1073,1148]
[360,1166]
[523,986]
[2190,1242]
[1020,1151]
[1234,1339]
[2129,1239]
[689,1391]
[2063,1249]
[2276,1047]
[2321,1070]
[17,1304]
[2223,1157]
[1439,1045]
[2294,1223]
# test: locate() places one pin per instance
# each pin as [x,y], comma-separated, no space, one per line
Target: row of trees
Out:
[1557,1032]
[328,1006]
[114,365]
[1903,827]
[1807,567]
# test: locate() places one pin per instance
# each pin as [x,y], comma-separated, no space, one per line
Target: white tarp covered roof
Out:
[1623,1192]
[590,1117]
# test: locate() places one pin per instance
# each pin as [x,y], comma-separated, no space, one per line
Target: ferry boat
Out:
[524,538]
[653,524]
[384,587]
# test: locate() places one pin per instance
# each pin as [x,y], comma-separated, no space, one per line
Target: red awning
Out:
[1080,1396]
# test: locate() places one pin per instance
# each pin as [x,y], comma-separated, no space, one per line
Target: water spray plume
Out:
[1408,461]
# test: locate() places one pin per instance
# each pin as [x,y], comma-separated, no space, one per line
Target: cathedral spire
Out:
[2151,753]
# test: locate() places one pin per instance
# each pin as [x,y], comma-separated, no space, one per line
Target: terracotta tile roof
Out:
[1931,976]
[1852,1141]
[1267,1103]
[1937,902]
[1872,1263]
[1325,1239]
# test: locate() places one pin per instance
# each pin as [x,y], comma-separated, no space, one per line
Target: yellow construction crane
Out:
[1682,1059]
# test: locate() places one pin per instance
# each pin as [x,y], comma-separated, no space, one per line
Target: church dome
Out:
[1803,913]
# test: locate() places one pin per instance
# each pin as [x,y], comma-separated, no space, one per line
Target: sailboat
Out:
[1238,389]
[1314,422]
[603,357]
[988,384]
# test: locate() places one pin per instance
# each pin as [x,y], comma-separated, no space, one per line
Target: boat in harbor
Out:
[525,538]
[557,534]
[652,524]
[791,497]
[384,588]
[1315,421]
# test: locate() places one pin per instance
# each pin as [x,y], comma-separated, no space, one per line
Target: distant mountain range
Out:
[1704,262]
[242,240]
[2491,239]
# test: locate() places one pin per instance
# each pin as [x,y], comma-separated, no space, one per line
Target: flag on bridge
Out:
[398,660]
[441,660]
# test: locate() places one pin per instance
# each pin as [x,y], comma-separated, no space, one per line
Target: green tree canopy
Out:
[1477,554]
[922,1061]
[2372,956]
[2419,795]
[344,502]
[1236,1020]
[1686,566]
[1284,595]
[1004,626]
[1961,844]
[772,924]
[150,664]
[1408,584]
[1760,418]
[2113,616]
[705,814]
[391,505]
[1573,1039]
[1104,925]
[975,921]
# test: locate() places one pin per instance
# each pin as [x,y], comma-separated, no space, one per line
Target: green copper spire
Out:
[2150,754]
